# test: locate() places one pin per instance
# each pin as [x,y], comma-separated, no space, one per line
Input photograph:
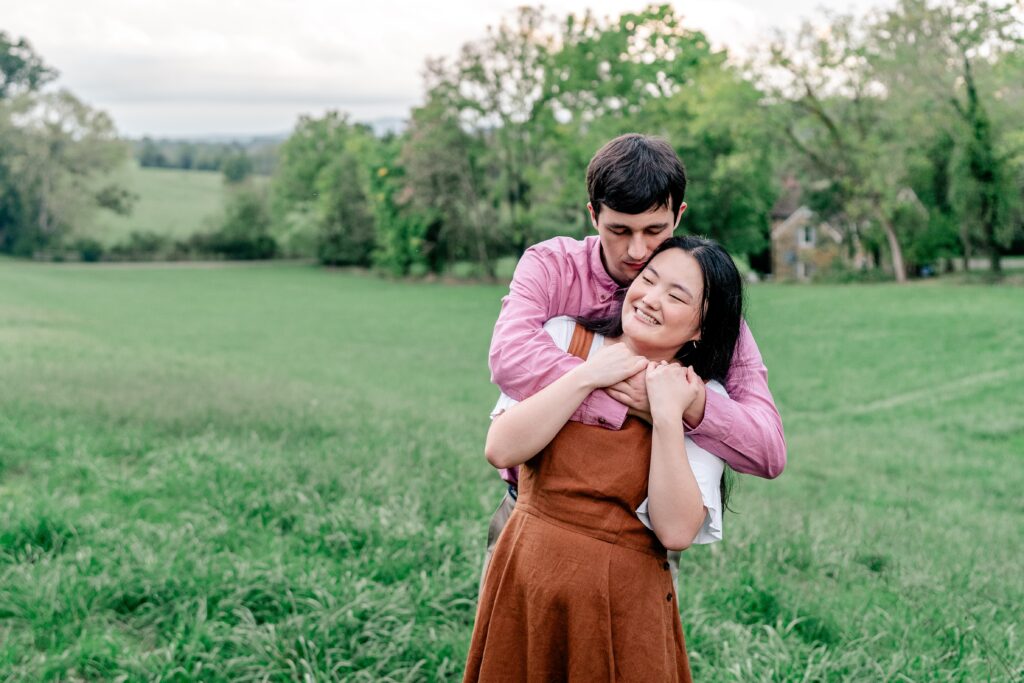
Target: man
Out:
[636,186]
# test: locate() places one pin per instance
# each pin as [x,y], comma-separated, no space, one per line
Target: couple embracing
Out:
[629,382]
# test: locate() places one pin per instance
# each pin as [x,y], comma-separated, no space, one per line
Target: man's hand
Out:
[694,413]
[632,393]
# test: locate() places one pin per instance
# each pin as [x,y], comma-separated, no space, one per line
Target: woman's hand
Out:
[671,389]
[611,364]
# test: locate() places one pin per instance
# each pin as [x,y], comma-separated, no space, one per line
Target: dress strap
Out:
[582,339]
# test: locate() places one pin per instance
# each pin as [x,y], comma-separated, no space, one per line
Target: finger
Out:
[617,395]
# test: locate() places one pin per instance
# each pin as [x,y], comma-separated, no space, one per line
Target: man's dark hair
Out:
[636,173]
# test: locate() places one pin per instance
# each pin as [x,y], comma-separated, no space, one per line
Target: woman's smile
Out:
[644,317]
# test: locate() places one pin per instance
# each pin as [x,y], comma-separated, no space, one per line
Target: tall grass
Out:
[275,473]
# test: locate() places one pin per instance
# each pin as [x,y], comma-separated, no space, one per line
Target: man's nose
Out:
[637,248]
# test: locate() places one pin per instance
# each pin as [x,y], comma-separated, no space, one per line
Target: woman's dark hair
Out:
[720,315]
[720,318]
[636,173]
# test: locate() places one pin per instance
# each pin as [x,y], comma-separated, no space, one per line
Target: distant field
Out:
[275,473]
[171,202]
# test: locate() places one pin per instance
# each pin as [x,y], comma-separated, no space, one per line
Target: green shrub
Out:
[89,250]
[505,267]
[466,270]
[244,233]
[142,246]
[418,269]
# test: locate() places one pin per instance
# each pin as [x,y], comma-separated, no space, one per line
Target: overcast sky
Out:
[196,67]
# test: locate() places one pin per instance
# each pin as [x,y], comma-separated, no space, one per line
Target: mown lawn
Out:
[275,472]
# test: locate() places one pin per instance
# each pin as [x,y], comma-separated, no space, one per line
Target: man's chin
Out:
[626,276]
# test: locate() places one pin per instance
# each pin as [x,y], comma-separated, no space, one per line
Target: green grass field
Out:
[275,473]
[171,202]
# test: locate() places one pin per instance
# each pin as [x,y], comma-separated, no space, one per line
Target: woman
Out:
[578,587]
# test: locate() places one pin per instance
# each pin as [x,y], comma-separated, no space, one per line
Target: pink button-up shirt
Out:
[563,276]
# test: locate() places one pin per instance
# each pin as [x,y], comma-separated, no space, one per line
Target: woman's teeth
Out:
[644,317]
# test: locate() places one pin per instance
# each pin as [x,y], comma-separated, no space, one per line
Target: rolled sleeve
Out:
[707,470]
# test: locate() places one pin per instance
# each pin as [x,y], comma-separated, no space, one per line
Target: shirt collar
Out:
[597,270]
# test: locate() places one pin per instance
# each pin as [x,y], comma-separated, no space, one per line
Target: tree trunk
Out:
[995,260]
[965,242]
[895,251]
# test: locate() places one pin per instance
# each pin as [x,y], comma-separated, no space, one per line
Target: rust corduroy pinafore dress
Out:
[578,589]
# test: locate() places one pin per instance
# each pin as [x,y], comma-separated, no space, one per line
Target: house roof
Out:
[803,216]
[789,201]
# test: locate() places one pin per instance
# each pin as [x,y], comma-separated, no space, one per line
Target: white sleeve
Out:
[561,330]
[707,470]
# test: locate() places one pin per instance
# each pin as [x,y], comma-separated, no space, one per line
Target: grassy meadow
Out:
[170,201]
[275,472]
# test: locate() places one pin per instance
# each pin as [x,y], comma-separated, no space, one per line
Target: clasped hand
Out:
[646,388]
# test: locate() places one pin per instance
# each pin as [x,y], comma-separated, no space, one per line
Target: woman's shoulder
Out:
[560,329]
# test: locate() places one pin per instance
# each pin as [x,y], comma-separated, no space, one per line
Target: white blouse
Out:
[707,468]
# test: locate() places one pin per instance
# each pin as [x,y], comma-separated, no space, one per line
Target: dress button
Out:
[669,597]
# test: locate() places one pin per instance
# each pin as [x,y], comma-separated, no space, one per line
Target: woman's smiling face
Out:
[662,308]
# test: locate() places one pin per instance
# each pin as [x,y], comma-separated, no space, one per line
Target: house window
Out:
[807,236]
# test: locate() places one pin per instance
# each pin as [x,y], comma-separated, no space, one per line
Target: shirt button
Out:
[669,597]
[602,421]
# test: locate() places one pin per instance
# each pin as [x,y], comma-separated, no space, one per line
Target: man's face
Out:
[629,239]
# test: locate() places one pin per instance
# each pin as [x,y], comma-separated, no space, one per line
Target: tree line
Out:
[235,159]
[900,127]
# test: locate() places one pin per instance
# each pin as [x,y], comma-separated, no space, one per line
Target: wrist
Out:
[583,379]
[694,413]
[666,418]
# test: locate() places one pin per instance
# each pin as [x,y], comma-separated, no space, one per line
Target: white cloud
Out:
[196,66]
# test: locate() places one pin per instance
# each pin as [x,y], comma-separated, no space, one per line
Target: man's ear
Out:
[593,215]
[679,216]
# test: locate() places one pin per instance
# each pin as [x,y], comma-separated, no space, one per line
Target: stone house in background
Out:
[802,245]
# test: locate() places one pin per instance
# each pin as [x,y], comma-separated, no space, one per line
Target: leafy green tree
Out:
[722,135]
[236,167]
[56,149]
[608,77]
[320,192]
[940,55]
[151,156]
[445,178]
[401,246]
[52,148]
[497,87]
[836,121]
[244,233]
[21,69]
